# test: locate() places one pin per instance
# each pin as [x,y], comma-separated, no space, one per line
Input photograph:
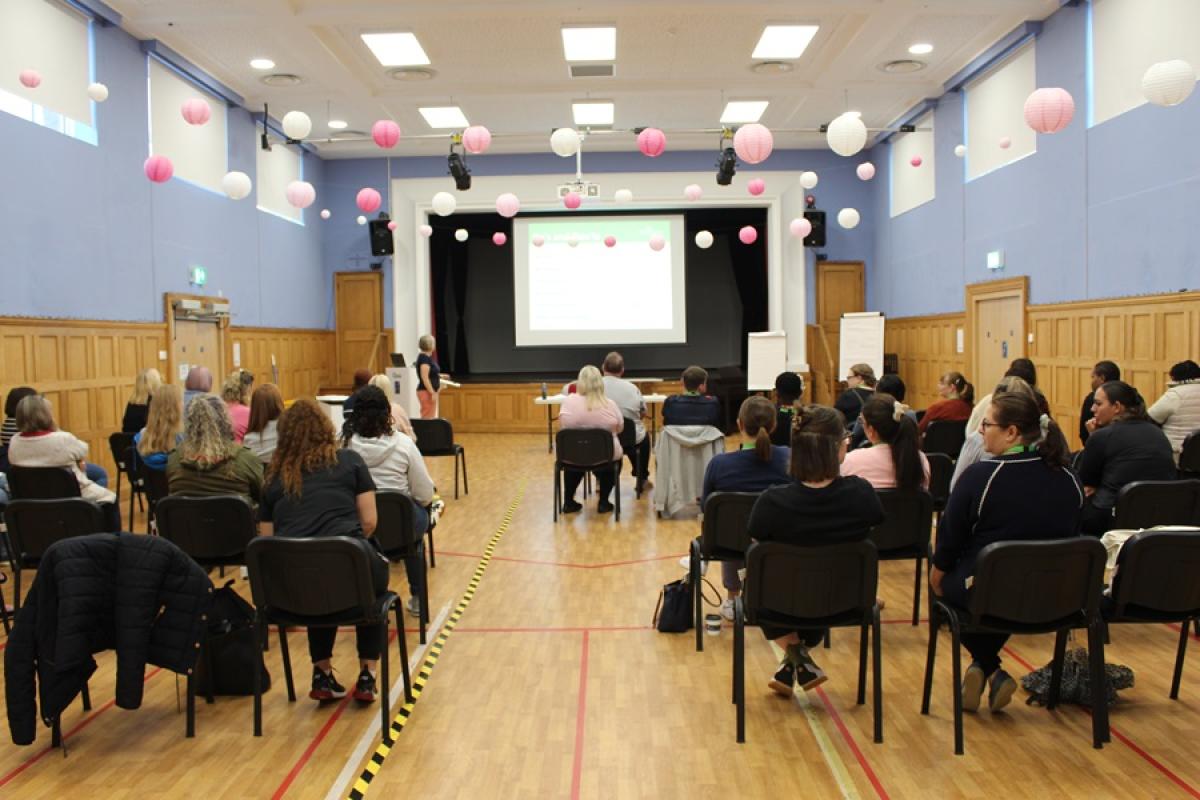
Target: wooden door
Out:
[996,322]
[198,344]
[359,320]
[841,289]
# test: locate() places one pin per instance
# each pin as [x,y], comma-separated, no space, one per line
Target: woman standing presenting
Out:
[429,378]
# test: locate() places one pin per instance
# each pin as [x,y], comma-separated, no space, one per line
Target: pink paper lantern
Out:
[476,139]
[385,133]
[300,194]
[693,191]
[748,235]
[753,143]
[195,111]
[756,186]
[498,239]
[30,78]
[657,242]
[538,241]
[368,200]
[652,142]
[916,161]
[392,225]
[800,227]
[158,169]
[610,241]
[866,171]
[425,230]
[1005,142]
[508,204]
[572,200]
[1049,110]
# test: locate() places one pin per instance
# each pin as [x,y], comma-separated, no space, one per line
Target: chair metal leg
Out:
[1056,670]
[86,697]
[385,707]
[1184,630]
[917,595]
[456,476]
[739,670]
[432,558]
[132,496]
[697,599]
[8,625]
[1100,731]
[617,491]
[826,641]
[557,489]
[862,665]
[931,654]
[190,725]
[402,644]
[261,625]
[424,601]
[877,674]
[956,670]
[16,586]
[56,733]
[287,663]
[463,453]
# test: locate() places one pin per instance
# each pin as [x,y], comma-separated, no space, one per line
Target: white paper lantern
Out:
[960,150]
[846,135]
[360,219]
[425,230]
[865,171]
[326,213]
[296,124]
[704,240]
[444,204]
[565,142]
[461,234]
[97,92]
[236,185]
[1169,83]
[848,218]
[623,196]
[809,180]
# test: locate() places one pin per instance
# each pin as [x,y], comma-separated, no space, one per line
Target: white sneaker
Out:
[686,563]
[727,609]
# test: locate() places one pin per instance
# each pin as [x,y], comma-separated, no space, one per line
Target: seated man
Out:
[788,388]
[693,407]
[199,381]
[1102,373]
[629,400]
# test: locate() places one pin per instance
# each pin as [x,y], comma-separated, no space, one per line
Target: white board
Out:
[861,341]
[766,357]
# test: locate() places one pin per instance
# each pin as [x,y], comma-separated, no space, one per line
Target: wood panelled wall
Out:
[509,407]
[305,358]
[926,347]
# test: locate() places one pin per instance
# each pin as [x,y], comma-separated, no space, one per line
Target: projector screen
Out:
[575,290]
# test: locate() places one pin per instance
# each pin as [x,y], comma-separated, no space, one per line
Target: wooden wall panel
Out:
[926,348]
[508,407]
[305,357]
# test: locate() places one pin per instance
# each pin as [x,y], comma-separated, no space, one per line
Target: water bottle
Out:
[543,391]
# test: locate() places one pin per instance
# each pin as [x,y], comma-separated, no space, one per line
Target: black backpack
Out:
[232,647]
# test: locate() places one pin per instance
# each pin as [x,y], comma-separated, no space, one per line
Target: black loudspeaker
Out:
[817,237]
[381,238]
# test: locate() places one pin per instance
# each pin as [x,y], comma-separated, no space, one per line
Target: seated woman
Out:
[236,394]
[315,489]
[973,450]
[754,466]
[1178,410]
[1124,446]
[208,460]
[860,384]
[590,408]
[15,396]
[1025,492]
[39,443]
[894,460]
[400,419]
[395,464]
[164,427]
[888,384]
[958,398]
[818,507]
[789,387]
[138,407]
[266,405]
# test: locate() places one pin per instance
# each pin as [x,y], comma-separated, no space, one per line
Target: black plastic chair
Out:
[585,449]
[154,484]
[1158,580]
[398,539]
[810,587]
[42,483]
[322,582]
[904,533]
[628,439]
[124,456]
[945,436]
[724,536]
[1189,456]
[34,525]
[435,437]
[941,472]
[1144,504]
[1049,586]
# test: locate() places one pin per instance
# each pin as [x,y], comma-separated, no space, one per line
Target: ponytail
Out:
[757,417]
[895,428]
[964,390]
[1036,429]
[1053,447]
[967,393]
[762,444]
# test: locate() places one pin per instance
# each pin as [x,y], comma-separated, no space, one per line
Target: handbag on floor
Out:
[232,647]
[1075,687]
[674,610]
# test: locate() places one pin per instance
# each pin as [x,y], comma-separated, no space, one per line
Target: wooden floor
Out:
[553,685]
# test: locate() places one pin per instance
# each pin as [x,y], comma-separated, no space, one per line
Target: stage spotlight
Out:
[458,168]
[726,167]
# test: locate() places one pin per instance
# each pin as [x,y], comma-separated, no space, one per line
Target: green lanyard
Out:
[1018,448]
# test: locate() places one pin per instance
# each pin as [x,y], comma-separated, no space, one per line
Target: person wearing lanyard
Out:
[693,407]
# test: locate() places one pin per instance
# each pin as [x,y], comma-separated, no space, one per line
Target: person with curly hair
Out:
[236,394]
[315,489]
[208,461]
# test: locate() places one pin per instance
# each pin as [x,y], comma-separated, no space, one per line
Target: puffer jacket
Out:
[138,595]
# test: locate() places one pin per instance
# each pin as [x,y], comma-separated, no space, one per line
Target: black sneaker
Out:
[808,675]
[570,506]
[325,686]
[1002,688]
[604,507]
[365,691]
[784,682]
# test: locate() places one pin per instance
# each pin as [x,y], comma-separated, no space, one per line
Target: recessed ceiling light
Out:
[784,41]
[262,63]
[444,117]
[592,113]
[339,124]
[771,67]
[743,111]
[396,49]
[921,49]
[590,44]
[411,74]
[901,66]
[281,79]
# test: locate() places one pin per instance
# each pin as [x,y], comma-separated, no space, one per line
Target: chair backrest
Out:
[726,522]
[212,530]
[154,482]
[945,436]
[1159,574]
[584,447]
[1144,504]
[42,483]
[121,446]
[907,521]
[435,437]
[1038,585]
[396,530]
[829,582]
[34,525]
[310,577]
[1189,455]
[941,471]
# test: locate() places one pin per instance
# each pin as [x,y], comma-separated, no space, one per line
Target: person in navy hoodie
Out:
[693,407]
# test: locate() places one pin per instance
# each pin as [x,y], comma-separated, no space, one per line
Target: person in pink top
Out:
[894,460]
[236,394]
[590,408]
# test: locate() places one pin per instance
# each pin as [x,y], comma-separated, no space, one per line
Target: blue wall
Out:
[1094,213]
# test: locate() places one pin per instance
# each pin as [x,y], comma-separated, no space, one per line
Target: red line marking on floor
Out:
[564,563]
[849,739]
[581,629]
[580,721]
[1173,626]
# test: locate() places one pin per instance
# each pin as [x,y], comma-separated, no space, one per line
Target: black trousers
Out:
[573,477]
[369,637]
[643,453]
[810,637]
[1095,521]
[984,647]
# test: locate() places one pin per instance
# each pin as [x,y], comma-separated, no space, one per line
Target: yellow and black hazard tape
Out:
[359,790]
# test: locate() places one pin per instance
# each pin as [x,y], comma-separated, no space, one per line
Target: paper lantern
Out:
[652,142]
[704,240]
[360,219]
[848,218]
[236,185]
[623,196]
[538,241]
[1005,142]
[865,171]
[498,239]
[657,242]
[573,241]
[916,161]
[296,124]
[809,180]
[476,139]
[444,204]
[507,205]
[326,213]
[461,234]
[158,169]
[756,186]
[98,92]
[301,194]
[195,111]
[693,191]
[960,150]
[565,142]
[385,133]
[392,226]
[753,143]
[748,234]
[368,200]
[610,241]
[800,227]
[1049,110]
[1165,84]
[846,135]
[30,78]
[425,230]
[572,200]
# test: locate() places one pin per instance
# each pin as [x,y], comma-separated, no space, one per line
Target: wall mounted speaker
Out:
[817,237]
[381,237]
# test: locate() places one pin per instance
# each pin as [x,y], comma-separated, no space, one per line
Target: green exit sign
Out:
[197,276]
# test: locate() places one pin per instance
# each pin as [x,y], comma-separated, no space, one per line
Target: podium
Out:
[404,387]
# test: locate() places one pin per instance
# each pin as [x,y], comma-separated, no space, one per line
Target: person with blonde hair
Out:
[208,461]
[589,407]
[265,407]
[164,428]
[400,420]
[138,407]
[429,377]
[236,394]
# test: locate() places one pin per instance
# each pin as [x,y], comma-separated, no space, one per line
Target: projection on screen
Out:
[575,290]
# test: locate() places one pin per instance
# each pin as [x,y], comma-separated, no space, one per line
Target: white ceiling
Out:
[502,61]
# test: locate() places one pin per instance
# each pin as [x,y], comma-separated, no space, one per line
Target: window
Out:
[56,41]
[994,107]
[276,168]
[199,152]
[912,186]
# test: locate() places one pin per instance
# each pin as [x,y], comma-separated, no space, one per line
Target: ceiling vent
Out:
[281,79]
[901,66]
[410,74]
[592,70]
[771,68]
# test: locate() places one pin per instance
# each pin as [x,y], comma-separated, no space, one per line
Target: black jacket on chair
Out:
[138,595]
